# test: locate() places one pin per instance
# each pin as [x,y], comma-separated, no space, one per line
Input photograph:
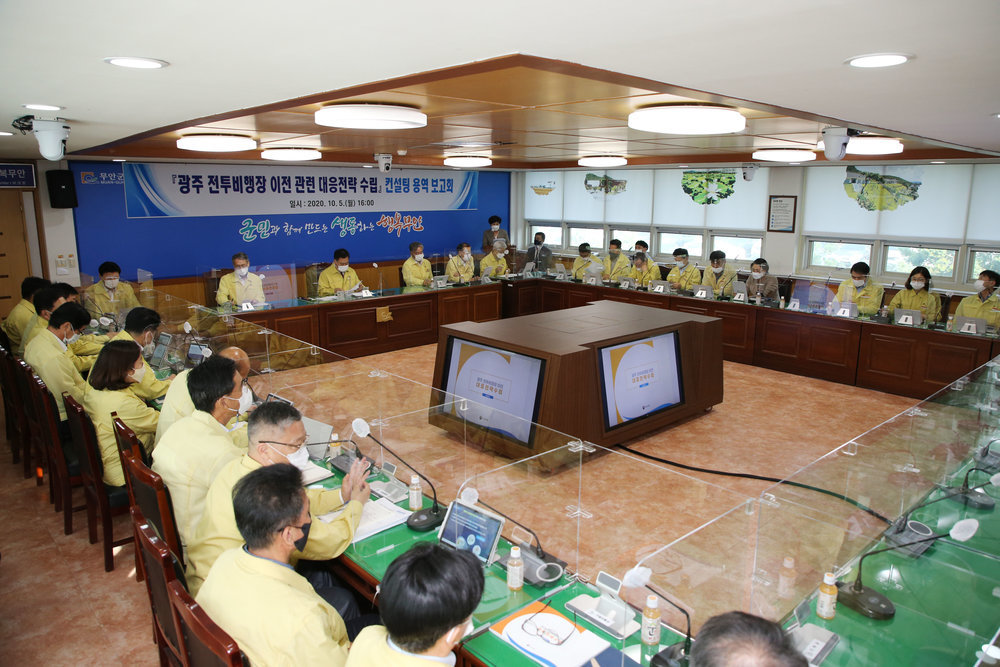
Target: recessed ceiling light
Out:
[467,161]
[117,159]
[217,143]
[602,161]
[870,146]
[687,119]
[784,155]
[6,134]
[135,62]
[291,154]
[938,162]
[996,115]
[368,166]
[683,166]
[42,107]
[869,60]
[370,116]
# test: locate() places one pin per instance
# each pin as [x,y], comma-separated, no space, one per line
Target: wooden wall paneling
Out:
[804,344]
[486,305]
[301,325]
[414,319]
[739,323]
[580,295]
[552,296]
[348,325]
[454,306]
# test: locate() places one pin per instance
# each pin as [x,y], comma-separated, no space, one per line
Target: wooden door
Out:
[15,265]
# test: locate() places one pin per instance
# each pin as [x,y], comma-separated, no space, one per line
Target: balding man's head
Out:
[240,357]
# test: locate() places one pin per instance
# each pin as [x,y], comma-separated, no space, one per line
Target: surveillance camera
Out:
[51,136]
[749,171]
[835,142]
[384,162]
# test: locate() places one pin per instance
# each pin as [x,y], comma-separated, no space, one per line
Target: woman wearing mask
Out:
[760,281]
[339,276]
[109,295]
[461,267]
[494,234]
[915,296]
[494,265]
[118,367]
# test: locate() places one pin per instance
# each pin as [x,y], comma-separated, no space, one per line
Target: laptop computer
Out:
[468,528]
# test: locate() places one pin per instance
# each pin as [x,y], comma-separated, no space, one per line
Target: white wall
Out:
[59,232]
[781,248]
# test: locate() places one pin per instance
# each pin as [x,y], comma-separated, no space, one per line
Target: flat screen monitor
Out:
[640,377]
[469,528]
[503,388]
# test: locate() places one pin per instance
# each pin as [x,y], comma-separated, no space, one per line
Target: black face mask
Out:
[300,543]
[537,242]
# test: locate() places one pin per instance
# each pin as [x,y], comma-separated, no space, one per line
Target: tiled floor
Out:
[57,605]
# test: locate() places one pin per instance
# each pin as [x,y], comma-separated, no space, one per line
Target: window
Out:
[628,237]
[839,255]
[693,243]
[982,260]
[592,235]
[901,259]
[738,247]
[553,235]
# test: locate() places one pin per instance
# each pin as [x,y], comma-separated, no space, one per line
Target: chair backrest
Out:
[23,374]
[85,445]
[153,500]
[5,340]
[48,421]
[128,445]
[8,383]
[203,643]
[160,569]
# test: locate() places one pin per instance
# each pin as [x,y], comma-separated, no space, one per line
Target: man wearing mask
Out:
[720,277]
[141,325]
[539,253]
[196,448]
[684,276]
[461,267]
[45,301]
[761,281]
[616,264]
[240,286]
[277,435]
[339,276]
[643,270]
[985,304]
[585,260]
[110,295]
[48,356]
[417,270]
[494,234]
[860,290]
[494,265]
[23,313]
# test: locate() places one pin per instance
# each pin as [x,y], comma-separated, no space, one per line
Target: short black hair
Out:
[761,262]
[114,362]
[108,267]
[584,247]
[341,253]
[273,414]
[740,638]
[919,271]
[211,380]
[141,319]
[462,246]
[616,243]
[861,267]
[495,219]
[992,275]
[71,312]
[642,243]
[428,591]
[67,289]
[32,284]
[542,234]
[640,257]
[45,298]
[679,252]
[240,255]
[716,254]
[415,245]
[267,500]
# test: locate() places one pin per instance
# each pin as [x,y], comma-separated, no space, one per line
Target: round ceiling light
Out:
[602,161]
[870,60]
[784,155]
[135,62]
[870,146]
[217,143]
[370,117]
[6,134]
[42,107]
[687,119]
[291,154]
[467,161]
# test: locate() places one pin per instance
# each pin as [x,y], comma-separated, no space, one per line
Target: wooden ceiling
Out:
[524,111]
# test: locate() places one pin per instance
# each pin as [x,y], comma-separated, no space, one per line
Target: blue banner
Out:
[17,175]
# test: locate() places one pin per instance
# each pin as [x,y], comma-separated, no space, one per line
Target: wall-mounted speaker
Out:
[62,189]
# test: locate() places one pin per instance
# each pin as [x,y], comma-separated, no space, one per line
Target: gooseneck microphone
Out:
[679,653]
[421,520]
[986,458]
[376,266]
[974,498]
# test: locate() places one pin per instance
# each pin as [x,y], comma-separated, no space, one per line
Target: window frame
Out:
[886,244]
[807,255]
[971,275]
[742,234]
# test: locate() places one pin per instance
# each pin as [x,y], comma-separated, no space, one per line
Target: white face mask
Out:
[418,258]
[917,285]
[681,263]
[980,285]
[72,339]
[111,283]
[246,400]
[343,267]
[495,227]
[243,271]
[859,283]
[299,459]
[466,254]
[148,349]
[757,275]
[138,374]
[718,269]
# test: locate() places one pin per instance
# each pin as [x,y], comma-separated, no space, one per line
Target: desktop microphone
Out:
[376,266]
[987,459]
[675,655]
[869,602]
[421,520]
[973,497]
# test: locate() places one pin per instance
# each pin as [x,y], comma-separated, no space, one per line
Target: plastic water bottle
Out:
[651,622]
[826,603]
[416,494]
[515,570]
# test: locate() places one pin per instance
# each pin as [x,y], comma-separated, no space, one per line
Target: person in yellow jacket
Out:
[48,357]
[643,270]
[584,261]
[860,290]
[118,367]
[719,276]
[45,301]
[141,325]
[985,304]
[915,296]
[616,264]
[110,295]
[82,351]
[494,265]
[23,312]
[195,449]
[339,276]
[428,581]
[277,435]
[683,276]
[253,593]
[461,267]
[240,286]
[417,270]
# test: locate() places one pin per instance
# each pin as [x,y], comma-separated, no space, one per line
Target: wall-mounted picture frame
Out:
[781,213]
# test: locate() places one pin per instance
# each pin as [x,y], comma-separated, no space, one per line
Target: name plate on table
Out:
[843,312]
[562,276]
[625,283]
[590,280]
[658,289]
[740,297]
[366,292]
[701,293]
[247,305]
[968,327]
[906,319]
[793,304]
